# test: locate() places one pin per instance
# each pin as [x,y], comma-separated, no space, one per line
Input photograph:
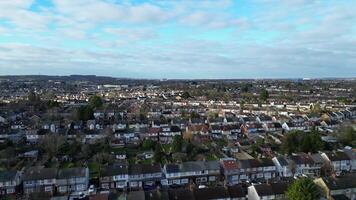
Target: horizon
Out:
[182,79]
[179,40]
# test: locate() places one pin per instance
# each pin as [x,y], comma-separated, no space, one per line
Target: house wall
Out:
[252,194]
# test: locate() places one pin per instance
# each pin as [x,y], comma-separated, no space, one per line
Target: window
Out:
[105,185]
[212,178]
[80,187]
[48,189]
[29,183]
[29,190]
[62,189]
[10,191]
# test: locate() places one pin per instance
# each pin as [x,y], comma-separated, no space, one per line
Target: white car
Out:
[91,189]
[202,186]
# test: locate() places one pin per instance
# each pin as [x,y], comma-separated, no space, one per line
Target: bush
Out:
[303,189]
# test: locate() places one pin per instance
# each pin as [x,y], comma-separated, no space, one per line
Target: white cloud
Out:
[282,38]
[132,34]
[101,11]
[17,13]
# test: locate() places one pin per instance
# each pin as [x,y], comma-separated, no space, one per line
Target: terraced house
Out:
[39,180]
[199,172]
[72,180]
[9,182]
[114,176]
[141,175]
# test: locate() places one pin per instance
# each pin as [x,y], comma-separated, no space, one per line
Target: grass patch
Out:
[94,169]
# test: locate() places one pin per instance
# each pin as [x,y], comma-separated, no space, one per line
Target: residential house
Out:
[94,135]
[9,182]
[254,169]
[213,193]
[114,176]
[167,133]
[303,164]
[198,129]
[352,155]
[39,180]
[343,185]
[268,167]
[141,175]
[339,160]
[230,171]
[72,180]
[200,172]
[267,191]
[282,166]
[237,192]
[181,194]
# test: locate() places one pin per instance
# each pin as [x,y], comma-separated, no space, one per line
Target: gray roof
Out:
[211,193]
[236,191]
[37,173]
[144,169]
[71,173]
[282,161]
[172,168]
[136,195]
[192,166]
[342,182]
[181,194]
[264,190]
[317,158]
[337,156]
[212,165]
[7,175]
[114,170]
[340,197]
[351,154]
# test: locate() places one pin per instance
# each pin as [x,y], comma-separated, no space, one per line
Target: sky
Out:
[179,39]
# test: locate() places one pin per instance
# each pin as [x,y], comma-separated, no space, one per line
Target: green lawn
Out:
[211,157]
[94,169]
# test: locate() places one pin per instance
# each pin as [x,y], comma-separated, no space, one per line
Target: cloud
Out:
[103,11]
[209,20]
[179,39]
[132,34]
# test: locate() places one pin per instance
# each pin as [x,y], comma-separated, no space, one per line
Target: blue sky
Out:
[179,39]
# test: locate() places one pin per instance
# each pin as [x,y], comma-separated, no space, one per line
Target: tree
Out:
[95,101]
[298,141]
[303,189]
[264,95]
[292,167]
[32,97]
[51,145]
[52,104]
[245,87]
[177,143]
[316,108]
[186,95]
[194,115]
[242,105]
[158,154]
[85,113]
[347,136]
[148,144]
[227,96]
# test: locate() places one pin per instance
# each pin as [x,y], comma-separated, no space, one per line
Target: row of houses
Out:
[229,171]
[46,180]
[331,188]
